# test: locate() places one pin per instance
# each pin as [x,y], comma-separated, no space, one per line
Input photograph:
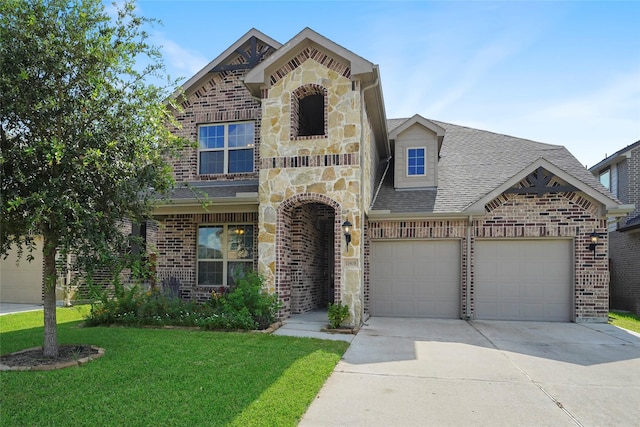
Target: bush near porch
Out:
[164,377]
[246,307]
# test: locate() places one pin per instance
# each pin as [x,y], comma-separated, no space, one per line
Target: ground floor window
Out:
[225,253]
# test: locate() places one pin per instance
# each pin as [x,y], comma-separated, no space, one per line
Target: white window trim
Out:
[225,149]
[406,170]
[224,260]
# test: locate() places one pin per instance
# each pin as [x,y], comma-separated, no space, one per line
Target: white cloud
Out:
[180,60]
[619,97]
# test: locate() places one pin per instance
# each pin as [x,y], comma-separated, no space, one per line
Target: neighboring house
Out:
[620,173]
[21,282]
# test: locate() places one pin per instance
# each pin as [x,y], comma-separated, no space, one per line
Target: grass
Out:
[164,377]
[625,320]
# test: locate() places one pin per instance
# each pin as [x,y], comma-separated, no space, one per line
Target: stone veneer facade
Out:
[322,169]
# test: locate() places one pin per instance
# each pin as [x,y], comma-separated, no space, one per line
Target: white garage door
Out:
[415,279]
[22,283]
[523,280]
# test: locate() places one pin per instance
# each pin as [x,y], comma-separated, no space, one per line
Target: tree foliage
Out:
[83,130]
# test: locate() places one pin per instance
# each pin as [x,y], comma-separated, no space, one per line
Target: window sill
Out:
[301,138]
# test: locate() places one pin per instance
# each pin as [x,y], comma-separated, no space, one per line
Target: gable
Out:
[247,52]
[306,43]
[542,177]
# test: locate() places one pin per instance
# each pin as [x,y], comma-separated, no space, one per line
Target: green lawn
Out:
[164,377]
[625,320]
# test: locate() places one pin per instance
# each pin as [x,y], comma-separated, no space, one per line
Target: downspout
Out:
[362,218]
[467,315]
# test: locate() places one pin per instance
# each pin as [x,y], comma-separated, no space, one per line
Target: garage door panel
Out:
[425,279]
[523,279]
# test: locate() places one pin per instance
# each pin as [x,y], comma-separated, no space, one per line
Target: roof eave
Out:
[380,214]
[203,73]
[594,194]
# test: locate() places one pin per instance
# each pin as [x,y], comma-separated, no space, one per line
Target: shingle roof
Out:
[607,160]
[472,163]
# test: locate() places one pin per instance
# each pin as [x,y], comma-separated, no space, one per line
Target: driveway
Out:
[424,372]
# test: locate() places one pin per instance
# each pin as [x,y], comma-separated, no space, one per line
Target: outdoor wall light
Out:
[594,241]
[346,229]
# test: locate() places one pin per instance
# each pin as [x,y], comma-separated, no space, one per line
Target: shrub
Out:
[249,294]
[246,306]
[337,313]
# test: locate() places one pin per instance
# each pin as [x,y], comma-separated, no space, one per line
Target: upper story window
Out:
[225,253]
[415,161]
[226,148]
[605,178]
[308,111]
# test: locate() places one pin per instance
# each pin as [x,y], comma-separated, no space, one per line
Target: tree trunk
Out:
[50,347]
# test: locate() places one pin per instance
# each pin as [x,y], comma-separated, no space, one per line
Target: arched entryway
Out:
[308,263]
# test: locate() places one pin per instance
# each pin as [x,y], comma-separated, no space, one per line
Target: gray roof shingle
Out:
[473,163]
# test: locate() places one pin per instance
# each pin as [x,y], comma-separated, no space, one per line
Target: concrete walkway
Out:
[422,372]
[8,307]
[310,325]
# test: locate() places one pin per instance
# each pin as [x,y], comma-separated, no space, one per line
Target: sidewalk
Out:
[9,307]
[310,325]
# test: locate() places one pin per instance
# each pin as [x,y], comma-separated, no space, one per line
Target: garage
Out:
[415,278]
[523,280]
[22,283]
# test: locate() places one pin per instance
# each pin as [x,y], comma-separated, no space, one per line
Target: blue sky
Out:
[557,72]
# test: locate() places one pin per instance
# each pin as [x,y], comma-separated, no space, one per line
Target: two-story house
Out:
[293,144]
[620,173]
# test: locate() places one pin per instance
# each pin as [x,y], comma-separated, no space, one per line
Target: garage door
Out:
[22,283]
[415,279]
[523,280]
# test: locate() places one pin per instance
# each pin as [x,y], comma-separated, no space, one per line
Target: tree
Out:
[84,132]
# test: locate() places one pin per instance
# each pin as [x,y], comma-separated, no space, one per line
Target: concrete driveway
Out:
[424,372]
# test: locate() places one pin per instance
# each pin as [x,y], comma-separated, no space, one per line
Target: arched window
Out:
[309,111]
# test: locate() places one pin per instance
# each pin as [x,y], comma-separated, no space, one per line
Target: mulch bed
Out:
[33,359]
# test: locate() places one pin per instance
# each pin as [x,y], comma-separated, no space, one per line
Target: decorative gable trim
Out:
[541,182]
[251,37]
[515,182]
[250,58]
[307,42]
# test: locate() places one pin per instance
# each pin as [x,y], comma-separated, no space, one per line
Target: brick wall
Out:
[522,216]
[624,247]
[293,215]
[309,257]
[562,216]
[177,243]
[223,98]
[625,271]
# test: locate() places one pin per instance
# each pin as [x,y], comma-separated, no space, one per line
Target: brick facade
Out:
[625,245]
[625,271]
[177,245]
[520,217]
